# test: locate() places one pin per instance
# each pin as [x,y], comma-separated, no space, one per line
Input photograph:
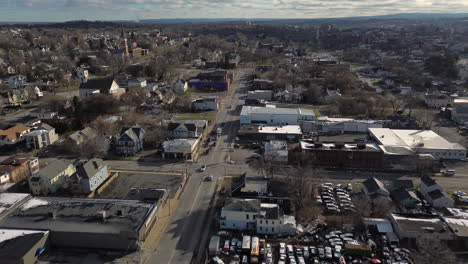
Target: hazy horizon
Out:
[66,10]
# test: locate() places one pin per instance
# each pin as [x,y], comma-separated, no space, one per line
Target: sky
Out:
[66,10]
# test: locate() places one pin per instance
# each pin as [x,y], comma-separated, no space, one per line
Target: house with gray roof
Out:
[130,141]
[373,188]
[89,175]
[406,199]
[106,85]
[187,128]
[41,137]
[82,136]
[459,114]
[50,179]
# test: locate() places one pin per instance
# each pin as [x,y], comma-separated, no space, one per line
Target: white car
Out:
[202,168]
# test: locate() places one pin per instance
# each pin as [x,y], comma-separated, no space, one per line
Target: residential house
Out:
[43,114]
[459,114]
[130,141]
[51,178]
[439,199]
[82,136]
[251,214]
[13,135]
[399,184]
[438,100]
[272,221]
[105,85]
[180,87]
[373,188]
[137,83]
[434,193]
[206,104]
[428,185]
[41,137]
[17,81]
[89,175]
[240,214]
[405,199]
[187,128]
[19,166]
[262,84]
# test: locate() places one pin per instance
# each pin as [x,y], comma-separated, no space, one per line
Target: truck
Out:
[358,250]
[246,244]
[214,245]
[255,251]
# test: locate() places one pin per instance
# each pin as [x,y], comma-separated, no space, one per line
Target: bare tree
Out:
[302,182]
[433,251]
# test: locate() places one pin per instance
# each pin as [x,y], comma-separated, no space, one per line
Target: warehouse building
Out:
[420,141]
[275,116]
[92,223]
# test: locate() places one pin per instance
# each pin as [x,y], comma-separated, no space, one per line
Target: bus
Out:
[255,247]
[246,244]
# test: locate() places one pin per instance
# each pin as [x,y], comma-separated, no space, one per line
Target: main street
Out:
[187,226]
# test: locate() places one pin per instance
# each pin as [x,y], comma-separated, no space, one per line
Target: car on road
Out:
[449,173]
[202,168]
[209,178]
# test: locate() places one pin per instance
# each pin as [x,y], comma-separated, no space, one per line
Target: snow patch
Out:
[7,234]
[33,203]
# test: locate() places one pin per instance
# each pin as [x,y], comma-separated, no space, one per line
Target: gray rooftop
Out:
[77,215]
[256,110]
[54,168]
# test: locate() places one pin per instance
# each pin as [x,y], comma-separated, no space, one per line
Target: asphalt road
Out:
[188,224]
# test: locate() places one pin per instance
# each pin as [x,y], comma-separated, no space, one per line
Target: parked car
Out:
[209,178]
[202,168]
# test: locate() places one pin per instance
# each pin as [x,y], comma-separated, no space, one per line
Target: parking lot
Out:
[122,185]
[323,245]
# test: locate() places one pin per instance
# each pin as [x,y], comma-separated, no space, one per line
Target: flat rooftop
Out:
[432,224]
[346,146]
[427,139]
[15,243]
[121,187]
[9,200]
[289,129]
[79,214]
[257,110]
[458,226]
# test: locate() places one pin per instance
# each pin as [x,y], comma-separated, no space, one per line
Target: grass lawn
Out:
[210,116]
[312,107]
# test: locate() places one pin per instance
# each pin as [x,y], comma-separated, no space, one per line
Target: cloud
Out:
[129,9]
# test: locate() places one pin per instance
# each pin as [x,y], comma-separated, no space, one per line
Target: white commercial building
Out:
[420,141]
[275,116]
[325,124]
[251,214]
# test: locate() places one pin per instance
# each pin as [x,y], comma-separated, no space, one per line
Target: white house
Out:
[373,188]
[250,214]
[434,193]
[41,137]
[275,116]
[206,104]
[187,128]
[439,199]
[428,185]
[90,174]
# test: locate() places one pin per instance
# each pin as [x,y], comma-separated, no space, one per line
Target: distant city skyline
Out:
[66,10]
